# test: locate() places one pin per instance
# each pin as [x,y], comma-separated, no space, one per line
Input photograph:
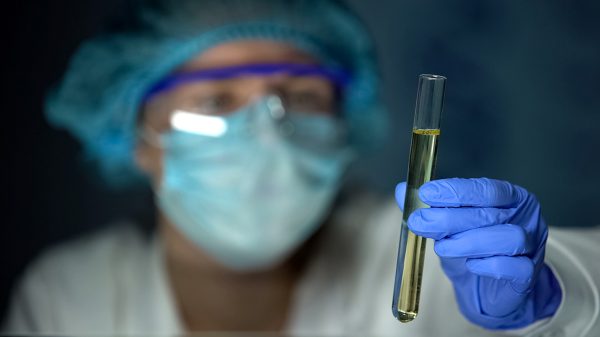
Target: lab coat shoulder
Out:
[73,287]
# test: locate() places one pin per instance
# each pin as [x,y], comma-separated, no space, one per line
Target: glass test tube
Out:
[421,166]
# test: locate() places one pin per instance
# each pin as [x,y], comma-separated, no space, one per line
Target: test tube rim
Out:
[432,77]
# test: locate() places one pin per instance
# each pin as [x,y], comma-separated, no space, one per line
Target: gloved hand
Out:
[491,238]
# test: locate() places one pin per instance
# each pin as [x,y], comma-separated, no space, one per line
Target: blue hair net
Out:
[101,93]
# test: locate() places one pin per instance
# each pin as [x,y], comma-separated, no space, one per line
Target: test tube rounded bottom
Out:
[406,317]
[410,288]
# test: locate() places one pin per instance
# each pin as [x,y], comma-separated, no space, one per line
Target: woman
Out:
[244,116]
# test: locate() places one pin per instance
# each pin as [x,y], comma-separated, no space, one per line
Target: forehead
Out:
[246,52]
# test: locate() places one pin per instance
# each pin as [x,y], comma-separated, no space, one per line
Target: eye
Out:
[309,101]
[215,104]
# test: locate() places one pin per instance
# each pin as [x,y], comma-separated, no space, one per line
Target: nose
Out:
[275,106]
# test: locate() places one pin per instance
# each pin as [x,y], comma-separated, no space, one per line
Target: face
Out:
[222,97]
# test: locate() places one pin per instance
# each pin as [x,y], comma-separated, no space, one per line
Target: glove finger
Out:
[437,223]
[509,240]
[478,192]
[400,194]
[516,269]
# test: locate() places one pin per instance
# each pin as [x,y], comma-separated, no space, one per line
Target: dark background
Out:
[522,104]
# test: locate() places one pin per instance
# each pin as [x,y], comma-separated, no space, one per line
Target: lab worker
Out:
[243,116]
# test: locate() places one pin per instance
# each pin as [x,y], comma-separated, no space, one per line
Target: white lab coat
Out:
[114,283]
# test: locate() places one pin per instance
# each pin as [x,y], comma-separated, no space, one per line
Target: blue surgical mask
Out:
[249,196]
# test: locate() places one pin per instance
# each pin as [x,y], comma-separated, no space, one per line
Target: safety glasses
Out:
[266,119]
[204,101]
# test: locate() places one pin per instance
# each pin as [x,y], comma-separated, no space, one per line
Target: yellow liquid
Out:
[421,166]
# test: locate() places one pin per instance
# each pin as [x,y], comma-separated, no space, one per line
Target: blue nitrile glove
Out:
[491,239]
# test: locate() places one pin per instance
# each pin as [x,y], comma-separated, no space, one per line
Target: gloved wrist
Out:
[546,296]
[539,302]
